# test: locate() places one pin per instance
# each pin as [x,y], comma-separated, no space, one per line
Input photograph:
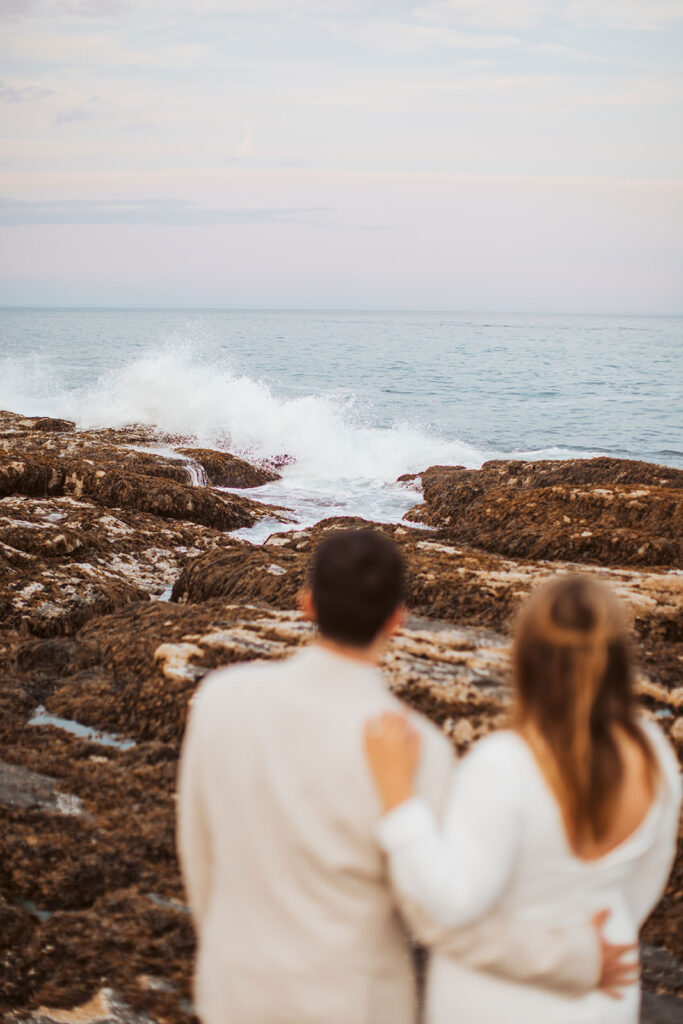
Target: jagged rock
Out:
[149,660]
[65,559]
[151,677]
[548,472]
[116,488]
[660,1009]
[604,511]
[444,581]
[63,655]
[147,678]
[14,423]
[60,559]
[26,789]
[16,926]
[53,425]
[95,901]
[58,602]
[130,938]
[660,970]
[168,499]
[225,470]
[105,1007]
[20,428]
[242,572]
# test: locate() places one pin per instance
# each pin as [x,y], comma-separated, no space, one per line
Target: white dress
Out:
[502,858]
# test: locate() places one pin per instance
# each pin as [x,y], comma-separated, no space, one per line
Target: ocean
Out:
[355,399]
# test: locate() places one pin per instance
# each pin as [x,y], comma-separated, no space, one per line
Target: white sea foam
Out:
[325,434]
[341,463]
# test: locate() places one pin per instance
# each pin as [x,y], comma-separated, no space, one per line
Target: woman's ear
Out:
[306,604]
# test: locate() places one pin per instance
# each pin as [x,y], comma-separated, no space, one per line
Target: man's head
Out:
[356,587]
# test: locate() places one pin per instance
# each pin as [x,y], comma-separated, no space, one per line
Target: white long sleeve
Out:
[446,880]
[454,876]
[499,891]
[194,840]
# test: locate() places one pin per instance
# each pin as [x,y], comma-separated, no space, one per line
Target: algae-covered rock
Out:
[93,535]
[604,511]
[225,470]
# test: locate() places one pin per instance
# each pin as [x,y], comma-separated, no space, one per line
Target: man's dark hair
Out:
[357,581]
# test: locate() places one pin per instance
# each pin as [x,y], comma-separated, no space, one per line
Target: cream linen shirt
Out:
[286,881]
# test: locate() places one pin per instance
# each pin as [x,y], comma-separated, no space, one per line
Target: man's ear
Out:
[395,620]
[306,604]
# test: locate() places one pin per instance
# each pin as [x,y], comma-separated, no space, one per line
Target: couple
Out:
[314,820]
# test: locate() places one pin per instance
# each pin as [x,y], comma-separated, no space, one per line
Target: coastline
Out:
[122,586]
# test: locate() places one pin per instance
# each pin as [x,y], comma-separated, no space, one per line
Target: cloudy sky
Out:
[453,154]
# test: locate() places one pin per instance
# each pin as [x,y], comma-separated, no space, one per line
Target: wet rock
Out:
[36,478]
[63,559]
[148,681]
[20,428]
[52,589]
[107,879]
[657,1009]
[444,581]
[243,572]
[58,602]
[124,835]
[53,425]
[105,1007]
[451,585]
[116,488]
[26,789]
[660,970]
[548,472]
[225,470]
[168,499]
[63,656]
[16,925]
[96,899]
[131,939]
[604,511]
[141,547]
[664,929]
[51,542]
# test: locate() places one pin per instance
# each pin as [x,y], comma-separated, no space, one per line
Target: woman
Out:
[571,810]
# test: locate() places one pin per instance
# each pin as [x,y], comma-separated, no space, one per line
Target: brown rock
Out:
[225,470]
[243,573]
[97,874]
[94,901]
[604,511]
[16,926]
[63,560]
[52,425]
[63,656]
[118,488]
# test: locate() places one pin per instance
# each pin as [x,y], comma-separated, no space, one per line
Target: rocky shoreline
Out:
[121,586]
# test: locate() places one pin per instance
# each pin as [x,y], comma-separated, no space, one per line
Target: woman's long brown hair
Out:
[574,679]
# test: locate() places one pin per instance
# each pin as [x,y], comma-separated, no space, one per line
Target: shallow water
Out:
[84,732]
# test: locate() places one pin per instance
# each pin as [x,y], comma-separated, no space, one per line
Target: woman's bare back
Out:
[633,800]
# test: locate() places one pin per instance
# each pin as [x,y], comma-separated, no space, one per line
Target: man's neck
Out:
[371,655]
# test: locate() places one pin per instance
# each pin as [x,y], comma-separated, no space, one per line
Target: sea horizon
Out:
[453,311]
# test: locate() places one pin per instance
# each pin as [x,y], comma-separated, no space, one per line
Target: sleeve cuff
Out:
[406,822]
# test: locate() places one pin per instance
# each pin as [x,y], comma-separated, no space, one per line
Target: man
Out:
[289,891]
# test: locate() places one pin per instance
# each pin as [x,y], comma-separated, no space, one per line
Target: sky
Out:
[451,154]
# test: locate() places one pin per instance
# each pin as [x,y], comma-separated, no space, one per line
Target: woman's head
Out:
[574,681]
